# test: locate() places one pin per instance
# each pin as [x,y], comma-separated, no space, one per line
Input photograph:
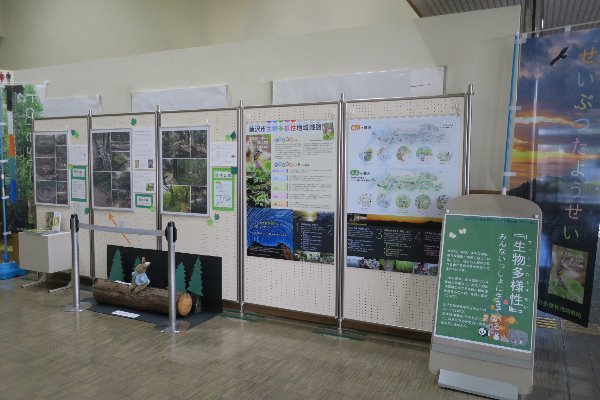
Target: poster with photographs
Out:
[50,158]
[184,162]
[111,169]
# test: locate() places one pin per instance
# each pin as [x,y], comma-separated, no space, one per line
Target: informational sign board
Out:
[401,173]
[290,189]
[484,331]
[487,281]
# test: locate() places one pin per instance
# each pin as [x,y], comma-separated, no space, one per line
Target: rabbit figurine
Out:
[139,279]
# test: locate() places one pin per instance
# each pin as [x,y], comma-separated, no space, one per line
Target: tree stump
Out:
[149,299]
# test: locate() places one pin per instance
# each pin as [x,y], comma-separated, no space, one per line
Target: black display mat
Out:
[194,319]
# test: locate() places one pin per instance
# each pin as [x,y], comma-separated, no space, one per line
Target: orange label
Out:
[11,145]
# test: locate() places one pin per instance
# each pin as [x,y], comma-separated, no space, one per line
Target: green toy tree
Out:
[136,262]
[196,279]
[180,278]
[116,269]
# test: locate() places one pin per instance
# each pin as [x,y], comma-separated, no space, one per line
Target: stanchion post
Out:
[173,325]
[74,225]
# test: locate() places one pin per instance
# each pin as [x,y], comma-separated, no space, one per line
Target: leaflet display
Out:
[401,173]
[290,189]
[51,178]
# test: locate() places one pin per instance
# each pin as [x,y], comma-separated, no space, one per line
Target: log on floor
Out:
[148,299]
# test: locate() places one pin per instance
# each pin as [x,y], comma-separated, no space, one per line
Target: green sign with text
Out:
[486,292]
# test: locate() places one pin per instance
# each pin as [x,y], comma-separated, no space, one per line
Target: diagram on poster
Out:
[50,157]
[111,169]
[290,189]
[407,166]
[401,173]
[185,170]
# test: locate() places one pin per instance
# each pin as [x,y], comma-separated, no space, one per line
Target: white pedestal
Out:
[45,253]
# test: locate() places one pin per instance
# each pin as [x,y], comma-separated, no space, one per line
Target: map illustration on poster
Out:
[111,169]
[401,173]
[290,189]
[488,281]
[50,157]
[185,170]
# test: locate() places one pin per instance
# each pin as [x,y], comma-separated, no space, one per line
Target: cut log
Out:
[148,299]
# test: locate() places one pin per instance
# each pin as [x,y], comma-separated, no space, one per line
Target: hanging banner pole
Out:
[510,114]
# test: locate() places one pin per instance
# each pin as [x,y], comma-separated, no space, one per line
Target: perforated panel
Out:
[293,285]
[141,218]
[80,125]
[395,298]
[194,234]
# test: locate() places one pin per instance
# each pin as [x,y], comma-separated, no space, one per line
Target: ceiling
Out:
[555,13]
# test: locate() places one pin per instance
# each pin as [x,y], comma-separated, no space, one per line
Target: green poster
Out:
[487,281]
[222,189]
[79,183]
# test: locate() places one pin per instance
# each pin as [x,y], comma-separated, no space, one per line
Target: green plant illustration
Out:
[116,269]
[196,286]
[180,278]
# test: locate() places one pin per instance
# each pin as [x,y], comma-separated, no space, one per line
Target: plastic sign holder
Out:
[484,330]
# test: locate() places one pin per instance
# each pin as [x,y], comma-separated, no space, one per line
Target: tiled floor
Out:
[46,353]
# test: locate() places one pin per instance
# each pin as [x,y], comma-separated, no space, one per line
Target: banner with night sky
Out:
[555,162]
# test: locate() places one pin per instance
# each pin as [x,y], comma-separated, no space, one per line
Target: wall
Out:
[69,31]
[476,47]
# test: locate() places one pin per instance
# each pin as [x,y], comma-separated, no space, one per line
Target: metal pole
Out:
[241,195]
[90,194]
[340,213]
[469,112]
[74,225]
[511,110]
[158,165]
[173,326]
[172,293]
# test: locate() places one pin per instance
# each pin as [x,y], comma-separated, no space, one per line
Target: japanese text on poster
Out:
[487,281]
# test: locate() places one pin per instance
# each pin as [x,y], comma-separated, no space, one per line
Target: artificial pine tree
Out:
[116,269]
[196,279]
[180,278]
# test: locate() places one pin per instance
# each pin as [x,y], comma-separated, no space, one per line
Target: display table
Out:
[45,253]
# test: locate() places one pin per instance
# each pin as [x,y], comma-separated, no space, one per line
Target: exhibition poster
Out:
[555,162]
[50,163]
[290,189]
[401,173]
[185,170]
[486,292]
[111,169]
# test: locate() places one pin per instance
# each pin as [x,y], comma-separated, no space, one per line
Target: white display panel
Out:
[77,138]
[283,283]
[388,297]
[214,234]
[366,85]
[194,98]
